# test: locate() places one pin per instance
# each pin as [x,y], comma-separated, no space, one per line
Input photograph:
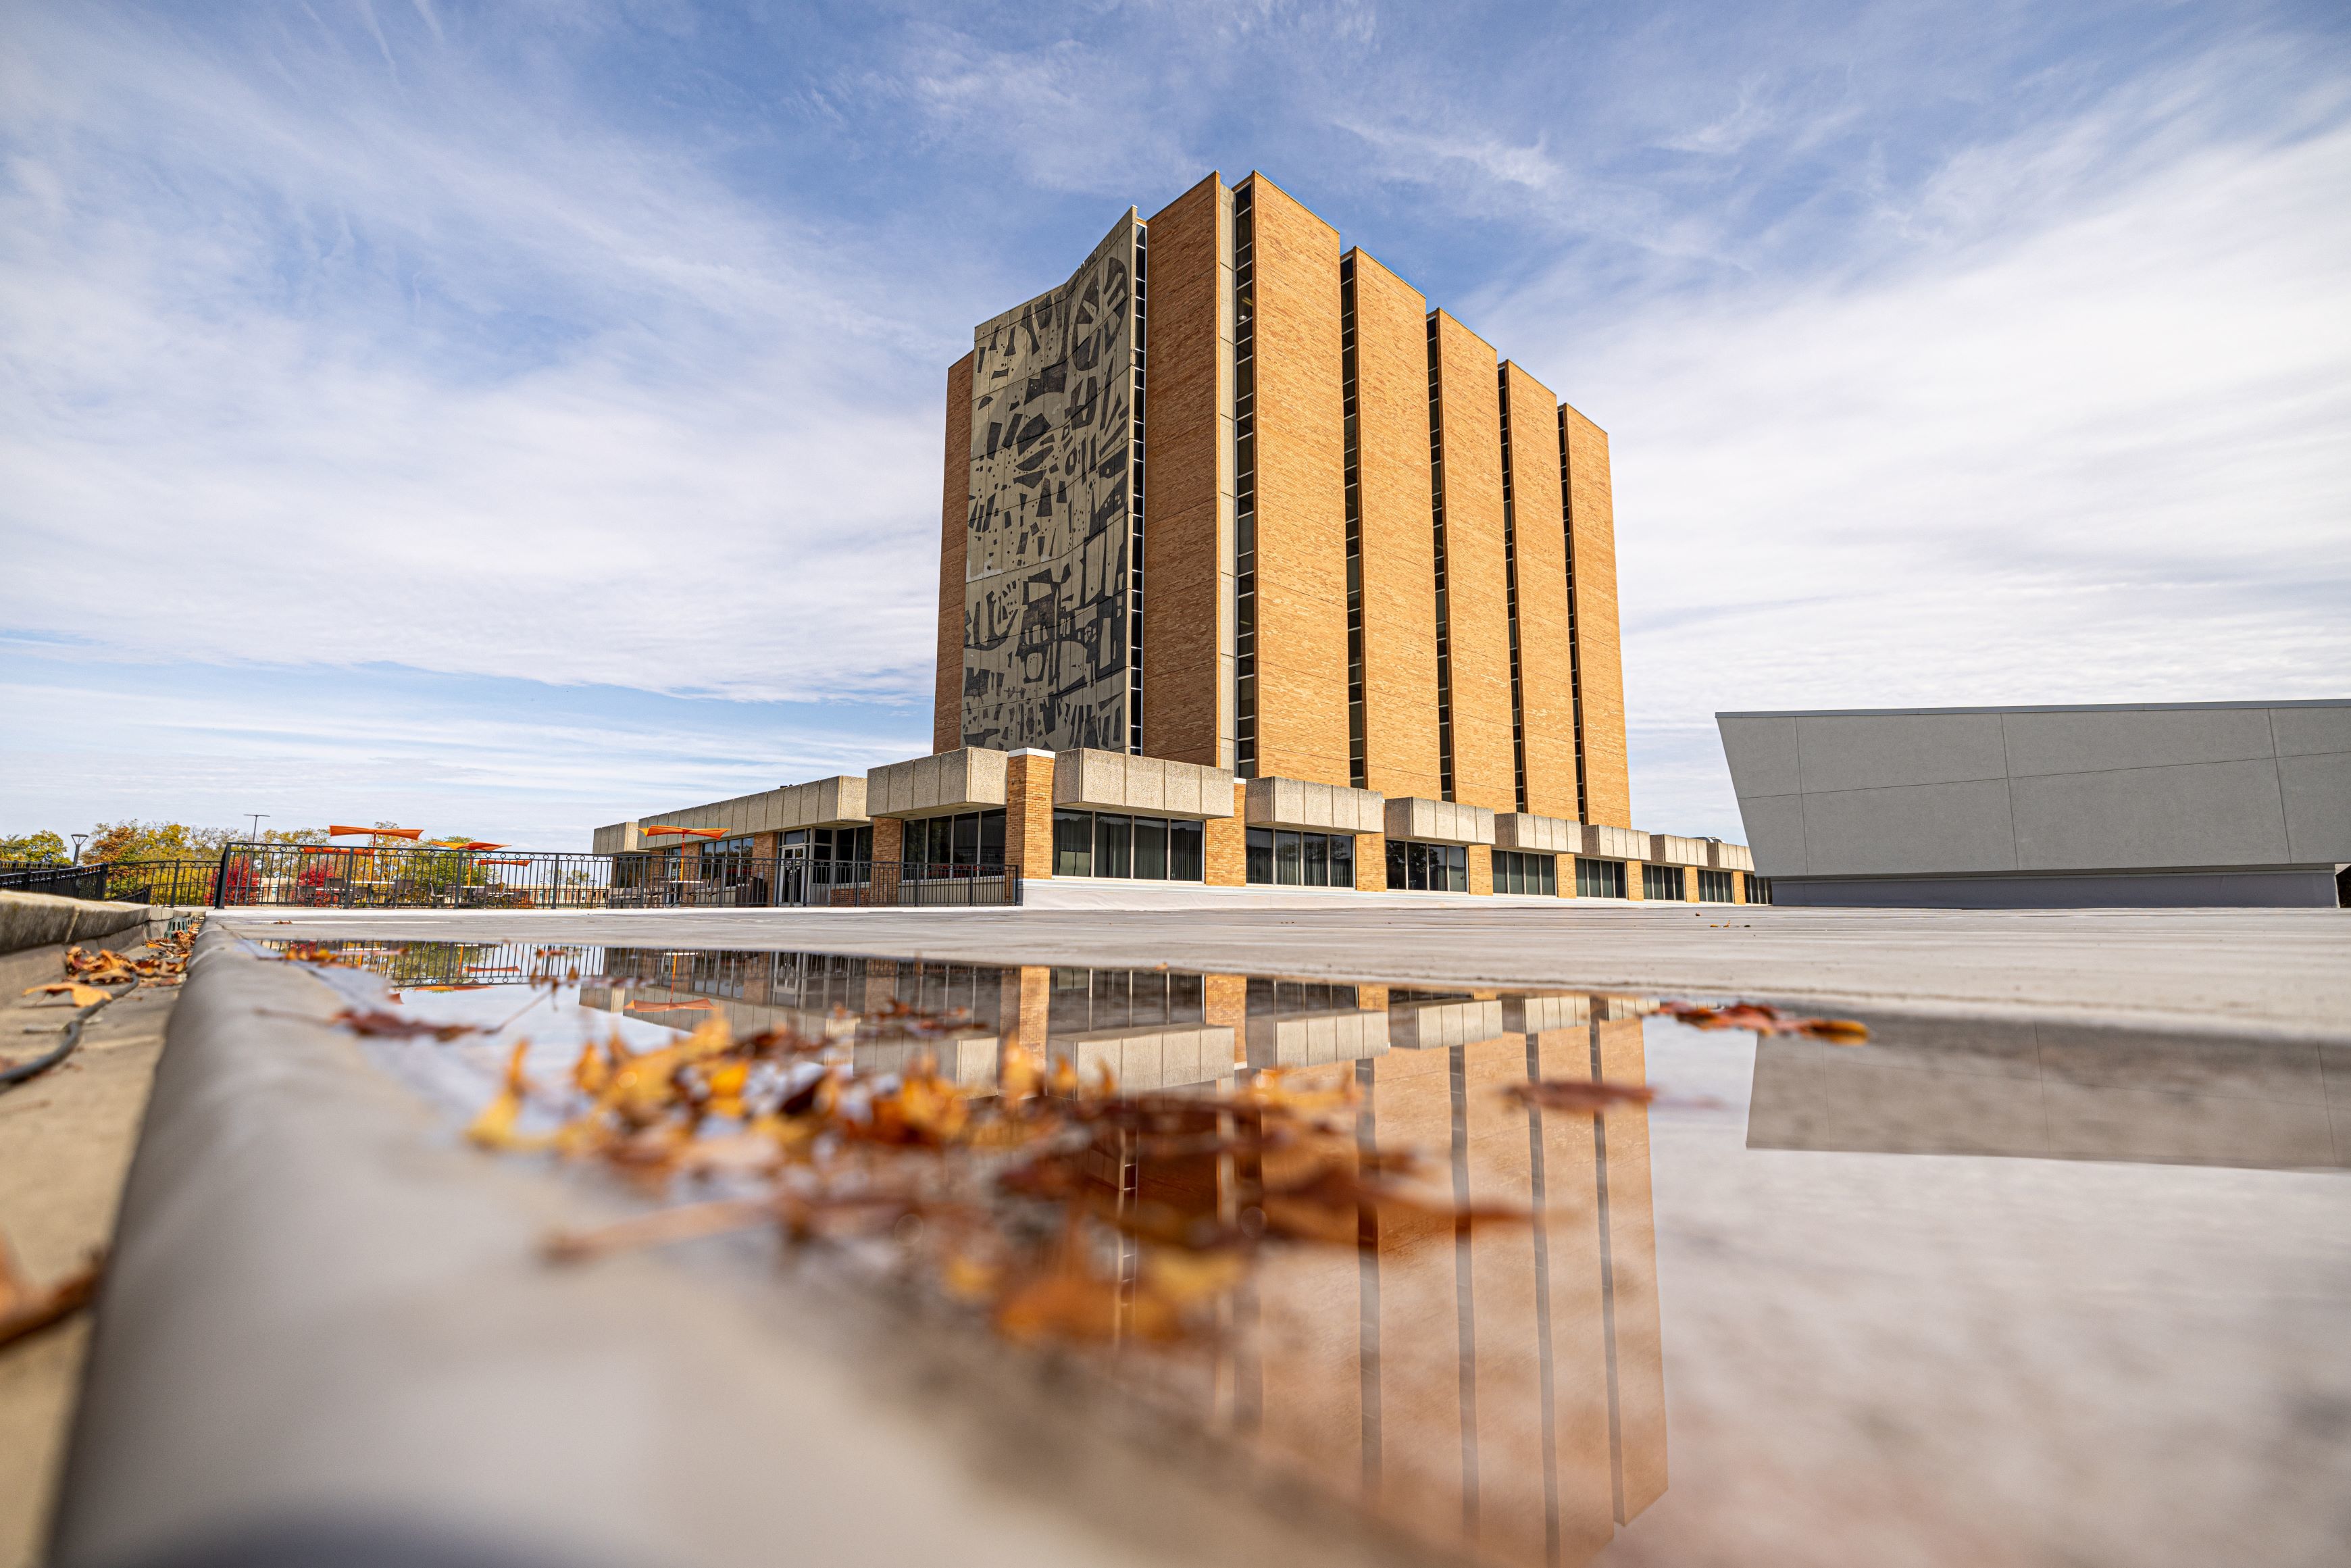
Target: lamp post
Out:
[255,836]
[77,839]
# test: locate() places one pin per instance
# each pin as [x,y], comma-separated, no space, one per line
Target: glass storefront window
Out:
[1112,835]
[1516,871]
[948,846]
[1151,849]
[1148,849]
[1186,851]
[1074,843]
[1427,867]
[1288,859]
[1599,879]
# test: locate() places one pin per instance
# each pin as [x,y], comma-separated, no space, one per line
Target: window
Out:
[1113,836]
[1290,859]
[1599,879]
[1515,871]
[1758,890]
[1663,882]
[835,855]
[1714,887]
[1108,843]
[1427,867]
[1074,843]
[1121,998]
[953,846]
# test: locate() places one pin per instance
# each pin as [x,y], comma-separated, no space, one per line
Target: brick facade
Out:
[1477,618]
[1188,478]
[1546,702]
[1399,556]
[1599,654]
[1301,534]
[946,698]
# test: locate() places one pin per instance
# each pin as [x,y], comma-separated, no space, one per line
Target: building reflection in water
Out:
[2056,1092]
[1503,1384]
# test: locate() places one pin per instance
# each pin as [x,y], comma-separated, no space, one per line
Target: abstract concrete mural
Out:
[1045,563]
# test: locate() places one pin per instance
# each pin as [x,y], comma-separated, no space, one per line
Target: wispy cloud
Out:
[1951,351]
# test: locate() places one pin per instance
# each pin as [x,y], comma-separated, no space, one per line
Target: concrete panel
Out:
[2198,814]
[2303,731]
[1775,833]
[1540,835]
[1672,849]
[1436,1026]
[2143,737]
[1302,803]
[968,780]
[2317,790]
[1537,1015]
[1729,857]
[1616,843]
[1880,751]
[1951,826]
[1439,821]
[1311,1039]
[1762,753]
[1045,583]
[2146,890]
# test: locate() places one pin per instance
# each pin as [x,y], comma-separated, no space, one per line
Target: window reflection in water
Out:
[1501,1383]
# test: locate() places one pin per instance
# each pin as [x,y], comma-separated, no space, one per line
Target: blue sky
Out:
[505,419]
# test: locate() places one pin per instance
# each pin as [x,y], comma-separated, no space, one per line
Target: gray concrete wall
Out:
[1990,792]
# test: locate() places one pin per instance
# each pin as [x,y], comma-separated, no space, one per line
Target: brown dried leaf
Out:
[26,1308]
[80,996]
[397,1026]
[1763,1019]
[1579,1093]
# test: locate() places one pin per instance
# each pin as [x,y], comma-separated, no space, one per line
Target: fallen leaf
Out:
[1763,1019]
[82,996]
[1579,1093]
[26,1308]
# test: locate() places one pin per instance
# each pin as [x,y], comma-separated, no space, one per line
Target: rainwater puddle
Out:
[1536,1278]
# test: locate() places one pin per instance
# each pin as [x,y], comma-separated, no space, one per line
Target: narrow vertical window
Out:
[1575,645]
[1134,505]
[1351,459]
[1510,585]
[1443,618]
[1244,484]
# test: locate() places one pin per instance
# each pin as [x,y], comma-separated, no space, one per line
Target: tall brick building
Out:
[1254,571]
[1235,495]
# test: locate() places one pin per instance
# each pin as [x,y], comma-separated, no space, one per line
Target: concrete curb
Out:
[35,928]
[324,1313]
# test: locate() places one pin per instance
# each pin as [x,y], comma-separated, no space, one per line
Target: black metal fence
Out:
[422,876]
[65,880]
[189,882]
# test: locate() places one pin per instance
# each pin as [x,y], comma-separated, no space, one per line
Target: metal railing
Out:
[189,882]
[64,881]
[423,876]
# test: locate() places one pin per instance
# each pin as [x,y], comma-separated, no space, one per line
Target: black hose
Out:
[11,1077]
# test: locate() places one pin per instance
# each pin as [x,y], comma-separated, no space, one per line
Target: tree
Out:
[112,843]
[35,848]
